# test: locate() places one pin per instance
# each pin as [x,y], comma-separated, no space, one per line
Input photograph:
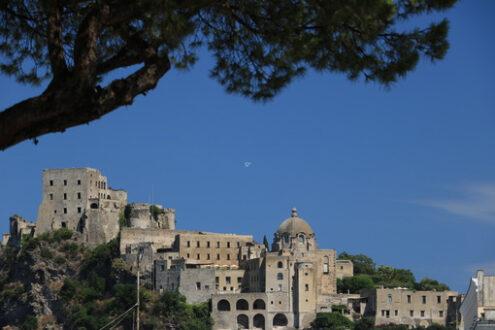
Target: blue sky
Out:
[404,175]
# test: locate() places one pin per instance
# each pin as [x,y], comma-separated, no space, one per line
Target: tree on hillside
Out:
[265,243]
[427,284]
[355,283]
[362,263]
[394,277]
[258,47]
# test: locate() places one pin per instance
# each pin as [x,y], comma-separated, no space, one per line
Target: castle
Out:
[251,286]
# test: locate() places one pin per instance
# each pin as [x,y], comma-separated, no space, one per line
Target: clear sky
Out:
[404,175]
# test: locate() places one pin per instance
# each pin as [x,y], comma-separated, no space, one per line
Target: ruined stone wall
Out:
[140,216]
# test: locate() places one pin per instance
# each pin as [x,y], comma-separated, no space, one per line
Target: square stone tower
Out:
[79,199]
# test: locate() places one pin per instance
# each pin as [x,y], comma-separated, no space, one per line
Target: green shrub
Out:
[331,321]
[156,211]
[70,248]
[59,260]
[29,243]
[46,237]
[30,323]
[46,253]
[69,288]
[97,282]
[88,294]
[62,234]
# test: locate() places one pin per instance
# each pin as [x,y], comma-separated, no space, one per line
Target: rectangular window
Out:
[408,298]
[396,312]
[218,244]
[325,268]
[422,313]
[163,268]
[228,256]
[51,182]
[440,314]
[198,256]
[198,244]
[65,210]
[65,196]
[55,211]
[65,182]
[51,197]
[389,298]
[78,195]
[217,280]
[306,287]
[439,299]
[198,285]
[280,287]
[188,255]
[208,244]
[227,279]
[188,243]
[78,210]
[218,256]
[411,313]
[228,244]
[423,299]
[387,314]
[208,256]
[78,182]
[239,280]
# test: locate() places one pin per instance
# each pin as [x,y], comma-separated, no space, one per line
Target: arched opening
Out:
[223,305]
[280,320]
[259,321]
[259,304]
[108,197]
[280,276]
[242,305]
[280,264]
[301,238]
[242,322]
[94,205]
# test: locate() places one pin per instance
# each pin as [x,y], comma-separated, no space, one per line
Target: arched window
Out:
[280,320]
[94,206]
[259,304]
[301,238]
[242,305]
[242,322]
[286,238]
[259,321]
[280,276]
[223,305]
[280,264]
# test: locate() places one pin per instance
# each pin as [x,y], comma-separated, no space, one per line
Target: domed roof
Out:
[294,225]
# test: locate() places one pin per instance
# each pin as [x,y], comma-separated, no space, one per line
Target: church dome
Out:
[294,225]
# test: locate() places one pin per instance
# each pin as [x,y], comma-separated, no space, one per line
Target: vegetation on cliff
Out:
[51,279]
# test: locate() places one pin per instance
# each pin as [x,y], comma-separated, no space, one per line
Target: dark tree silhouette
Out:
[259,47]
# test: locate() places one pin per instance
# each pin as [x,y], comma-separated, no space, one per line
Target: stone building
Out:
[345,268]
[146,216]
[18,228]
[405,306]
[478,306]
[80,199]
[285,287]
